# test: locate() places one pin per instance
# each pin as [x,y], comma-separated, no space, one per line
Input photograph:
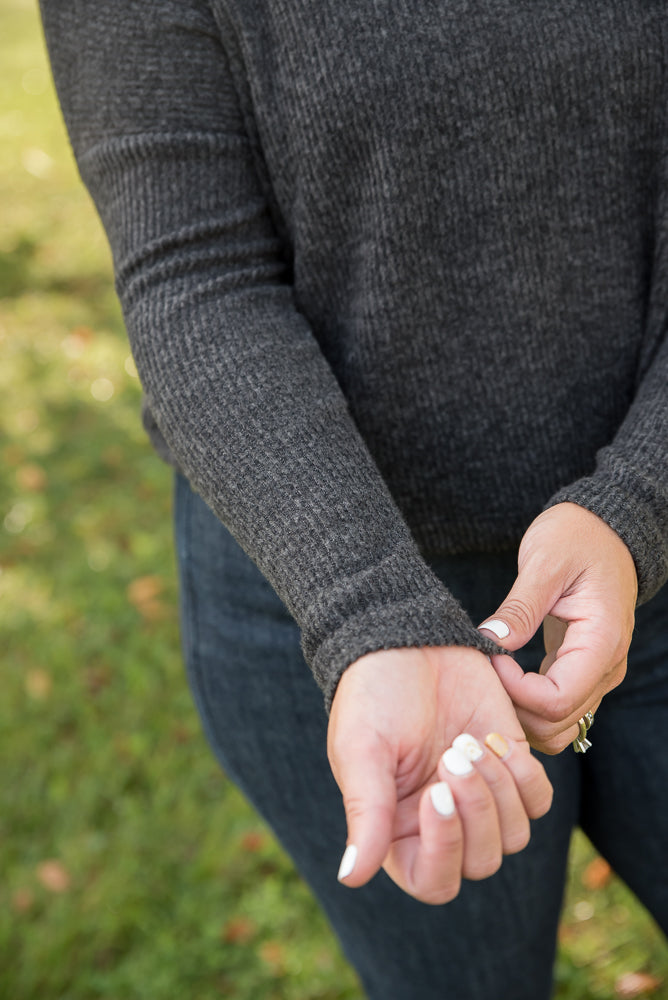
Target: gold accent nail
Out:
[496,743]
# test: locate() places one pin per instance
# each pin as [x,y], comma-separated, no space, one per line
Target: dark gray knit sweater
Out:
[395,276]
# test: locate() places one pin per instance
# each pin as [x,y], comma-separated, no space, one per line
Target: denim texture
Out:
[263,714]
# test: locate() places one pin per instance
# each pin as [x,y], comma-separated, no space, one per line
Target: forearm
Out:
[235,379]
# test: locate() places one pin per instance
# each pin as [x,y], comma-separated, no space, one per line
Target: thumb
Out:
[530,600]
[365,775]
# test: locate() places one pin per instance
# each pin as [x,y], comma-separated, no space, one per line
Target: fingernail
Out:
[441,799]
[495,625]
[497,744]
[469,746]
[347,862]
[456,763]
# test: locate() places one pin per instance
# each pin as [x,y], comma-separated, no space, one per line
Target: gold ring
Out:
[581,744]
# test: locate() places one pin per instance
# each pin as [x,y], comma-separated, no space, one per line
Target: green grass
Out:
[131,867]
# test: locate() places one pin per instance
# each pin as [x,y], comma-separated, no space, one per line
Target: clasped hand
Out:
[430,821]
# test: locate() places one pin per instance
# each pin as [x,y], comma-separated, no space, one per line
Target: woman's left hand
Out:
[578,577]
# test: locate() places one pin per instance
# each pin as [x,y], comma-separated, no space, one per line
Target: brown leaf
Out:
[597,874]
[636,984]
[238,930]
[83,334]
[144,588]
[272,954]
[31,477]
[38,684]
[76,342]
[22,900]
[253,841]
[567,934]
[53,875]
[153,611]
[144,594]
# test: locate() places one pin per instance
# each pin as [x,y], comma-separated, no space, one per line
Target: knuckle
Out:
[542,805]
[354,806]
[480,803]
[498,781]
[483,868]
[553,745]
[444,894]
[523,611]
[547,744]
[557,710]
[621,648]
[517,841]
[618,675]
[535,734]
[451,842]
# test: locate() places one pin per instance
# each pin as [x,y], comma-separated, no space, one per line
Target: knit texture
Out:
[395,278]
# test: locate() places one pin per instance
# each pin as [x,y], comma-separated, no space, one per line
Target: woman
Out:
[395,281]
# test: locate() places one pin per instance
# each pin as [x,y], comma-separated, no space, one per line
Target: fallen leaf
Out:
[567,934]
[253,841]
[238,930]
[153,611]
[144,593]
[272,954]
[597,874]
[53,875]
[31,477]
[636,984]
[22,900]
[144,588]
[38,684]
[76,342]
[84,332]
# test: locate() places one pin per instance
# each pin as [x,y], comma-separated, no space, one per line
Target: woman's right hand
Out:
[394,714]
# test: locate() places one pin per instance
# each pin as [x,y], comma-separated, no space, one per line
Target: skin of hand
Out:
[577,577]
[393,715]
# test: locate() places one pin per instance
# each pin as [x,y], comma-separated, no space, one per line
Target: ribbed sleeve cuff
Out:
[628,504]
[388,611]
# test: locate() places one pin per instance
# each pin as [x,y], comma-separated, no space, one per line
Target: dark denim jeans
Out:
[264,717]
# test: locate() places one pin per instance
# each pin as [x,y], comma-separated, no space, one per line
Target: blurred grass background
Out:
[130,866]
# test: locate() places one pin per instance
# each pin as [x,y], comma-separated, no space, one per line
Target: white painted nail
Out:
[455,762]
[347,862]
[441,799]
[469,746]
[495,625]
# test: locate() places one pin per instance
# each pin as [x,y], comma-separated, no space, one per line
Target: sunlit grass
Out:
[131,867]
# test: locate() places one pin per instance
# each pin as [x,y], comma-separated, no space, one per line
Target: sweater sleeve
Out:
[628,487]
[233,376]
